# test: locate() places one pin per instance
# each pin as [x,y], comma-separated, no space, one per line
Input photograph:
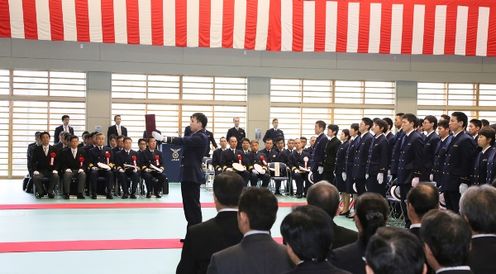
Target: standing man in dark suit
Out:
[420,200]
[395,144]
[63,128]
[446,238]
[307,233]
[346,174]
[318,154]
[459,161]
[237,132]
[411,155]
[210,136]
[378,159]
[257,252]
[331,150]
[116,129]
[431,140]
[274,133]
[483,172]
[45,165]
[478,208]
[191,173]
[73,164]
[326,197]
[361,155]
[440,153]
[203,240]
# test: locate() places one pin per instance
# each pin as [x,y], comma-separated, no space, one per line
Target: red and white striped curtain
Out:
[443,27]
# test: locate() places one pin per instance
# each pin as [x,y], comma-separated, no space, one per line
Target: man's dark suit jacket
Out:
[343,236]
[112,130]
[203,240]
[58,130]
[194,147]
[256,254]
[316,268]
[481,256]
[349,257]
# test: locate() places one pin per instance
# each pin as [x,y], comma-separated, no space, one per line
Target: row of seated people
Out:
[255,165]
[238,240]
[92,163]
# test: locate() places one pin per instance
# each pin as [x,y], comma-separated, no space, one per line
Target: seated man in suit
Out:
[446,238]
[261,159]
[203,240]
[101,154]
[326,196]
[307,234]
[300,158]
[151,156]
[392,250]
[478,208]
[128,168]
[63,141]
[73,165]
[45,166]
[142,145]
[282,157]
[249,161]
[31,148]
[421,199]
[233,155]
[257,252]
[63,128]
[217,155]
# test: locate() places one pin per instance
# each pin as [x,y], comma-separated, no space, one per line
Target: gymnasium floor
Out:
[99,236]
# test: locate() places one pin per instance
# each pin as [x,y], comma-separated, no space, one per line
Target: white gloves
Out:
[68,170]
[254,171]
[297,171]
[366,176]
[162,169]
[80,171]
[343,175]
[147,170]
[55,172]
[94,168]
[415,181]
[36,172]
[354,187]
[121,170]
[320,169]
[157,136]
[431,177]
[463,188]
[380,178]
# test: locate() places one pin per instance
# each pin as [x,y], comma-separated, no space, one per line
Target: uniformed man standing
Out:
[361,155]
[237,132]
[274,133]
[378,159]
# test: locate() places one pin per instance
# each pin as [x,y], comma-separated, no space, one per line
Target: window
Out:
[36,101]
[298,103]
[475,100]
[173,99]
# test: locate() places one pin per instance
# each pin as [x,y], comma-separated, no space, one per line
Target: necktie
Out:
[119,130]
[45,149]
[74,152]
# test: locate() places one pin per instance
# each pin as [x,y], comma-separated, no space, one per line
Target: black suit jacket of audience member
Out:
[96,156]
[41,163]
[112,130]
[481,256]
[273,134]
[410,159]
[122,157]
[343,236]
[147,157]
[203,240]
[458,272]
[257,253]
[270,156]
[349,257]
[210,136]
[69,162]
[459,161]
[228,157]
[282,157]
[58,130]
[317,268]
[430,147]
[217,158]
[415,231]
[297,159]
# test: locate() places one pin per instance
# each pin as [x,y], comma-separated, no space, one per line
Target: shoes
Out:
[277,193]
[80,196]
[51,196]
[299,196]
[66,197]
[93,196]
[125,196]
[158,195]
[181,240]
[133,196]
[38,196]
[148,195]
[110,197]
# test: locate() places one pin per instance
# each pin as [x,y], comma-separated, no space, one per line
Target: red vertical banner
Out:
[320,27]
[251,23]
[386,15]
[204,24]
[297,25]
[491,36]
[449,40]
[407,35]
[429,26]
[82,21]
[157,14]
[56,20]
[181,23]
[132,12]
[227,24]
[274,34]
[472,23]
[342,29]
[364,27]
[108,21]
[30,23]
[5,19]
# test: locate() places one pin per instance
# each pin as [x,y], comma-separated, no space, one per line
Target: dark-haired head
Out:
[325,196]
[257,209]
[460,117]
[201,118]
[447,236]
[308,232]
[372,211]
[227,189]
[389,121]
[395,251]
[478,207]
[422,198]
